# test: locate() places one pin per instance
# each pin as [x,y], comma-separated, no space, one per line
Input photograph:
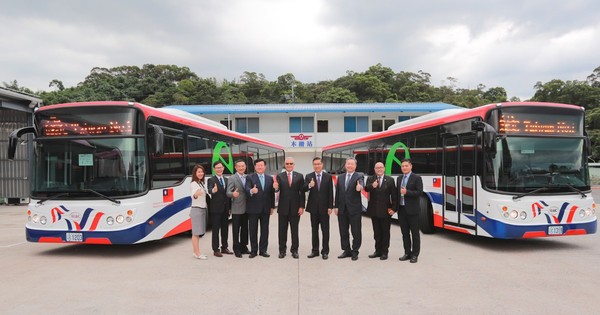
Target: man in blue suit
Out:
[259,206]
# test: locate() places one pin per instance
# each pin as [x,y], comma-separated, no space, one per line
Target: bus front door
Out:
[459,179]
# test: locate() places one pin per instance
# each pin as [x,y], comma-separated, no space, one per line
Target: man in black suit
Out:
[219,208]
[348,208]
[410,186]
[320,205]
[259,206]
[290,185]
[382,200]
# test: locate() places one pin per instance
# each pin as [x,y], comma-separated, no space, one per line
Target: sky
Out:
[497,43]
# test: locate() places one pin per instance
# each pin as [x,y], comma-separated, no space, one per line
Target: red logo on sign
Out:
[301,137]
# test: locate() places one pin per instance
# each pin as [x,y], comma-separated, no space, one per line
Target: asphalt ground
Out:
[456,274]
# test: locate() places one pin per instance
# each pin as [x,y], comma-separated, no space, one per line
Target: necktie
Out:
[290,179]
[243,178]
[318,181]
[380,181]
[348,176]
[262,181]
[404,180]
[221,181]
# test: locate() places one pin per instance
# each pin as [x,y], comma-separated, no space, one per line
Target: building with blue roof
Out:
[305,128]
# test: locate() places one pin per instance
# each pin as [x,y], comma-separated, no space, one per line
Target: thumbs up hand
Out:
[254,190]
[215,188]
[312,183]
[358,186]
[375,183]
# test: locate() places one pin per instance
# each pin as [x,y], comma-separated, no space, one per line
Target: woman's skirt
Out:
[198,216]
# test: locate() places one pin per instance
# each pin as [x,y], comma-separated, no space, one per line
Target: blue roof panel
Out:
[313,108]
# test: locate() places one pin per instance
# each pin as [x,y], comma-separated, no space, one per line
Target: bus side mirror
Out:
[588,146]
[159,139]
[489,135]
[13,140]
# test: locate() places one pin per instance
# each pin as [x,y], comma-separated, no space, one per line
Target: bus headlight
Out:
[588,211]
[43,220]
[523,215]
[120,219]
[514,214]
[110,220]
[35,218]
[506,214]
[582,213]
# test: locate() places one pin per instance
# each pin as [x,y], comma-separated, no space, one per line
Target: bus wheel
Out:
[426,215]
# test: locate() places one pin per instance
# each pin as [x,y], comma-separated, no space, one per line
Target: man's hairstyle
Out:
[239,161]
[259,160]
[407,161]
[316,158]
[217,163]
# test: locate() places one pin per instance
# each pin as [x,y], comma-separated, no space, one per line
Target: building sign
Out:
[301,141]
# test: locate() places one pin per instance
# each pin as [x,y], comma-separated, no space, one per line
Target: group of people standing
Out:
[251,201]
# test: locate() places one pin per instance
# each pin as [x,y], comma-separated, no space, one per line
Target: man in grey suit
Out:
[348,208]
[237,192]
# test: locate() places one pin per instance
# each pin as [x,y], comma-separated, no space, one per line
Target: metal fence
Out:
[14,175]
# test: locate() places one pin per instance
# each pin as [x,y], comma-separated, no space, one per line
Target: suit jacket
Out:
[219,202]
[382,198]
[238,205]
[264,200]
[347,198]
[414,190]
[319,198]
[290,198]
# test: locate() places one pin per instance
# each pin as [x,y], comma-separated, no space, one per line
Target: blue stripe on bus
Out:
[127,236]
[499,229]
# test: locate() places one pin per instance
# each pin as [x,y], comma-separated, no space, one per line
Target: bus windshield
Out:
[523,164]
[83,166]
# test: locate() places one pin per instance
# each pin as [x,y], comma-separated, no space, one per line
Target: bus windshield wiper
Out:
[53,197]
[575,190]
[103,196]
[530,193]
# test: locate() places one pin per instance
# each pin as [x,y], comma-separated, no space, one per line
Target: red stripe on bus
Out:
[184,226]
[571,214]
[50,240]
[96,220]
[97,240]
[457,229]
[576,232]
[533,234]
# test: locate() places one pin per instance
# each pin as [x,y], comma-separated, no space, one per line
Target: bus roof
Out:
[439,118]
[175,116]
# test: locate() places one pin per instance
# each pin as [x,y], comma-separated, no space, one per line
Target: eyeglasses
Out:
[289,163]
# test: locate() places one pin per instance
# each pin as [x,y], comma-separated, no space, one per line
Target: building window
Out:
[404,118]
[246,125]
[226,123]
[356,124]
[302,124]
[322,125]
[381,124]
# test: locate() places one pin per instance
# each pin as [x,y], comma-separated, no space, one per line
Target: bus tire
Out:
[426,215]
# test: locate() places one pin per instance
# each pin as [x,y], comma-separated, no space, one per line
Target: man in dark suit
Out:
[410,186]
[236,190]
[382,200]
[348,208]
[219,208]
[290,185]
[259,206]
[320,205]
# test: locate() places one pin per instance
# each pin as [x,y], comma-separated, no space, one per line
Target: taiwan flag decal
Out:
[168,195]
[437,182]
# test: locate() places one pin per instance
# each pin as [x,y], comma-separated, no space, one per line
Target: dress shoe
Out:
[238,254]
[295,255]
[252,255]
[313,255]
[375,255]
[281,255]
[218,254]
[345,255]
[413,259]
[201,257]
[265,254]
[354,256]
[226,251]
[383,257]
[325,256]
[404,258]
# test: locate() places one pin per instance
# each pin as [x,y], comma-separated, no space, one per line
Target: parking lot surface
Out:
[456,274]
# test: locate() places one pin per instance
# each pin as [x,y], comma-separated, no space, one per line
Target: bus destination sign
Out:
[529,123]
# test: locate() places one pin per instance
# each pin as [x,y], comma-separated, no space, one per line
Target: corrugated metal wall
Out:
[14,180]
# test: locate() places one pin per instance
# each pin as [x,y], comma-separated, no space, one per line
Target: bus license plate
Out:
[74,237]
[555,230]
